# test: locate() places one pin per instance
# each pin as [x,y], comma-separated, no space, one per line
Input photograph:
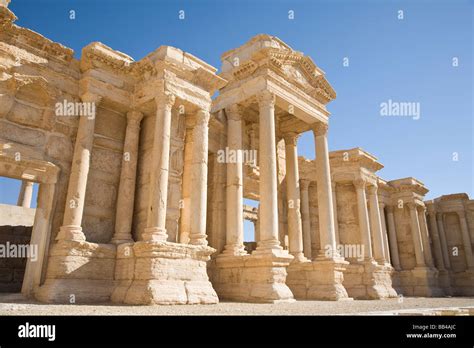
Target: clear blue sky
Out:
[404,60]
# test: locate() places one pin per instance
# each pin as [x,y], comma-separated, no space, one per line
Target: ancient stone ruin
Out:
[142,178]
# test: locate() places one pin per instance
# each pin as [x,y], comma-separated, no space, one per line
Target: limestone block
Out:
[59,147]
[80,291]
[22,135]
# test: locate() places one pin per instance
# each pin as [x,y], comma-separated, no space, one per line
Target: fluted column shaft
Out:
[327,232]
[334,209]
[443,241]
[158,197]
[393,241]
[295,229]
[234,188]
[416,235]
[425,238]
[376,224]
[466,240]
[268,174]
[305,217]
[198,234]
[126,192]
[386,247]
[363,216]
[71,228]
[26,194]
[438,251]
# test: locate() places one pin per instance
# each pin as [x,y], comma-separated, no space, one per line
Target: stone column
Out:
[325,205]
[376,224]
[392,232]
[384,232]
[425,237]
[443,241]
[363,216]
[199,179]
[305,217]
[185,218]
[438,251]
[334,205]
[26,194]
[466,239]
[126,192]
[158,195]
[268,174]
[71,228]
[416,235]
[295,229]
[234,188]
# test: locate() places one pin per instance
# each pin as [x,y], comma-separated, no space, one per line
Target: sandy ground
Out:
[15,304]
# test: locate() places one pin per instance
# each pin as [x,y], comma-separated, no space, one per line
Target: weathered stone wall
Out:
[35,73]
[454,240]
[406,248]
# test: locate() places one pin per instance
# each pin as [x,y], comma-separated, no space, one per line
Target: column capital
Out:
[134,117]
[89,97]
[431,208]
[372,189]
[439,215]
[304,183]
[266,98]
[320,128]
[165,100]
[412,205]
[360,183]
[461,214]
[291,138]
[202,117]
[233,112]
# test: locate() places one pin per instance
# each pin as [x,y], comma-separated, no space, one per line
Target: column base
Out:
[163,273]
[71,233]
[318,280]
[259,277]
[78,272]
[420,282]
[367,280]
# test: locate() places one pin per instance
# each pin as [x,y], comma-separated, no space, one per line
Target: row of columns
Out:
[298,214]
[440,245]
[155,229]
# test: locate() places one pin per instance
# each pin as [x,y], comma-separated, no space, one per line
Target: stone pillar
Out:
[438,251]
[325,205]
[392,232]
[199,179]
[384,232]
[334,206]
[425,237]
[158,197]
[185,218]
[268,174]
[305,217]
[71,228]
[466,239]
[26,194]
[363,216]
[416,235]
[443,241]
[126,192]
[295,229]
[376,224]
[234,188]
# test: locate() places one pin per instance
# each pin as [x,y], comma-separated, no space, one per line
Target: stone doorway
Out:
[31,230]
[17,213]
